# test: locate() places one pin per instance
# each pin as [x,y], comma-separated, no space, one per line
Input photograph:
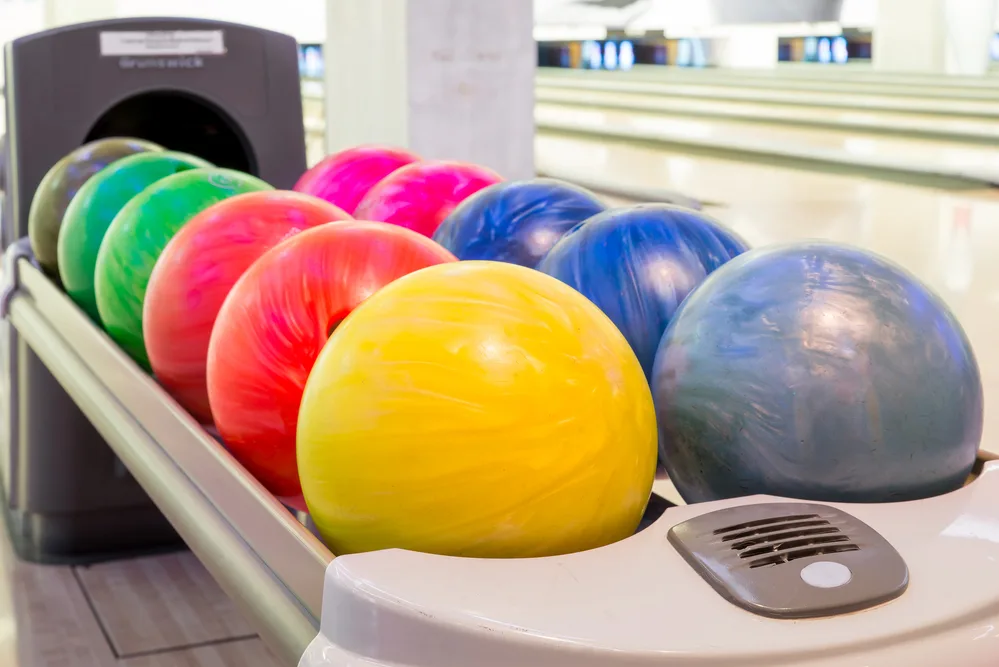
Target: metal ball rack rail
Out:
[259,552]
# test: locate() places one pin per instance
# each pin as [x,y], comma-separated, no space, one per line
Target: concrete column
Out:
[747,48]
[18,19]
[934,36]
[969,26]
[448,79]
[66,12]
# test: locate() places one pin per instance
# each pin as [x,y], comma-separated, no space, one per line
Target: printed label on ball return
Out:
[163,43]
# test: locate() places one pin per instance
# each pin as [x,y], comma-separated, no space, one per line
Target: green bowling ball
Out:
[94,207]
[60,185]
[137,236]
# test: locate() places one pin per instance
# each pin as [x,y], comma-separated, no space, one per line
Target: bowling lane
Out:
[939,126]
[817,79]
[919,159]
[854,71]
[858,101]
[948,239]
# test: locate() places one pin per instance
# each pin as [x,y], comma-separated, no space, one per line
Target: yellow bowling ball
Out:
[476,409]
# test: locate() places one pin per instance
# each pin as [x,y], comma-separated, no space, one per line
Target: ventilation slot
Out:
[783,539]
[778,559]
[776,537]
[765,522]
[770,532]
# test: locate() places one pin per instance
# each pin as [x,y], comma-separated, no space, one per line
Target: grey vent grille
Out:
[791,560]
[784,539]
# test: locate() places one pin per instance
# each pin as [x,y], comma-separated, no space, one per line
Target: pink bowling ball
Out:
[345,177]
[419,196]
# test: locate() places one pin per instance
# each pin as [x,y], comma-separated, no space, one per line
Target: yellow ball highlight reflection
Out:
[476,409]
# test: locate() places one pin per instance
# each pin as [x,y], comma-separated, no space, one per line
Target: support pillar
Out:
[16,20]
[447,79]
[66,12]
[746,48]
[947,37]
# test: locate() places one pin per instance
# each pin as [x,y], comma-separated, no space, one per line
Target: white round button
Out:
[826,574]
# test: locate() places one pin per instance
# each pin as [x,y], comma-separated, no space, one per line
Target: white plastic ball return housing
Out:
[758,581]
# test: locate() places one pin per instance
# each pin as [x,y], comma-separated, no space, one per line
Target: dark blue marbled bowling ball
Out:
[638,263]
[817,372]
[516,222]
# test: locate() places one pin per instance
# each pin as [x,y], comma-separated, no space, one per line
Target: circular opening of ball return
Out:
[181,122]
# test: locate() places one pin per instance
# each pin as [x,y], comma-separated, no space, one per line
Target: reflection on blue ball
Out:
[637,264]
[516,221]
[817,372]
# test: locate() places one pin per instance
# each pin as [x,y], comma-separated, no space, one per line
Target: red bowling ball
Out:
[275,322]
[421,195]
[197,270]
[345,177]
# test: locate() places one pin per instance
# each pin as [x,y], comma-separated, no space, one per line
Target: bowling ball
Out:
[420,195]
[94,207]
[60,185]
[276,320]
[516,221]
[476,409]
[345,177]
[137,236]
[196,271]
[638,264]
[818,372]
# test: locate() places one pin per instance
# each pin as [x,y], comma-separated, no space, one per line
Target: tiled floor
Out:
[158,611]
[155,604]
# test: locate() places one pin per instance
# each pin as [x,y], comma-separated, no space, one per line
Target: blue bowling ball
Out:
[638,263]
[818,372]
[516,221]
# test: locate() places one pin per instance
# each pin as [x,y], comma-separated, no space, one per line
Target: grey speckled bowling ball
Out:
[818,372]
[60,185]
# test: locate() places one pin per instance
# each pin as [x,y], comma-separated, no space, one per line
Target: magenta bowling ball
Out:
[420,196]
[344,178]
